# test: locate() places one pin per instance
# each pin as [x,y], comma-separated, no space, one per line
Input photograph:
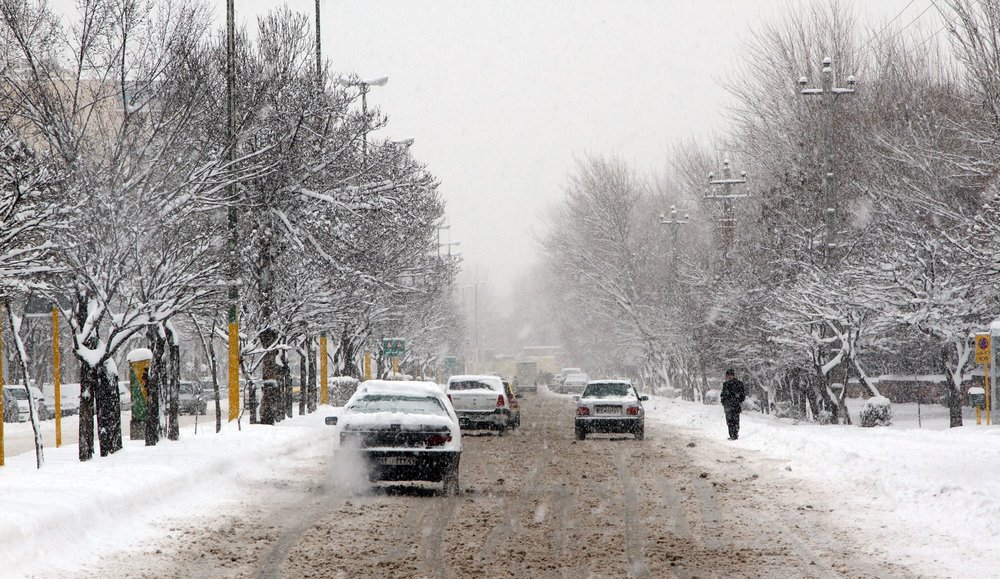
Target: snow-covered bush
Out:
[876,412]
[711,397]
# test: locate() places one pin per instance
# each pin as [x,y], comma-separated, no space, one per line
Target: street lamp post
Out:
[363,86]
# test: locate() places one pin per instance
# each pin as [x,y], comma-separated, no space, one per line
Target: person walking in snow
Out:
[734,393]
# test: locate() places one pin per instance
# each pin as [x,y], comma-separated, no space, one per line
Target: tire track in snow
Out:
[635,534]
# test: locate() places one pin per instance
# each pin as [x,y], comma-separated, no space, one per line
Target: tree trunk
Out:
[269,373]
[303,376]
[954,390]
[88,386]
[174,392]
[109,412]
[313,390]
[156,377]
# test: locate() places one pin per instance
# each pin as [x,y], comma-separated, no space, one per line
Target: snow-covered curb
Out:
[68,513]
[924,494]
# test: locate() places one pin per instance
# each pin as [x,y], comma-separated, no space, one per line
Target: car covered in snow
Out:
[610,406]
[484,402]
[403,431]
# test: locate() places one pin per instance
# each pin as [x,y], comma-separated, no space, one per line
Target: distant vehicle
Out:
[610,406]
[69,398]
[481,402]
[559,380]
[575,383]
[190,399]
[526,377]
[20,396]
[404,431]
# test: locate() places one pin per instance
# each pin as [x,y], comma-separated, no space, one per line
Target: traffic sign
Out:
[450,362]
[983,348]
[393,346]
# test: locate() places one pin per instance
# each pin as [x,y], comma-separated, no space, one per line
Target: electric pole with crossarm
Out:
[829,93]
[727,197]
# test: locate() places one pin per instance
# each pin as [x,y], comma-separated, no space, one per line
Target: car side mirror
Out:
[576,398]
[643,398]
[330,420]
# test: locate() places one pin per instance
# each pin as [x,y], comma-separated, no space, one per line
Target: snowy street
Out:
[682,503]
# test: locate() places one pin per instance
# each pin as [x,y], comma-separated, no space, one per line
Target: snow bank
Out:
[66,514]
[926,494]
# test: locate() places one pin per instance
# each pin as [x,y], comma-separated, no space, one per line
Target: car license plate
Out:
[397,461]
[608,409]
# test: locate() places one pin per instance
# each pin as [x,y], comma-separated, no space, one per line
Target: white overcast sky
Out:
[501,96]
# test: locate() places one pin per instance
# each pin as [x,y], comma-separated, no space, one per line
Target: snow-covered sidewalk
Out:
[69,513]
[925,494]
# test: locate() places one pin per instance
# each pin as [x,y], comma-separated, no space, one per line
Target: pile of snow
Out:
[68,513]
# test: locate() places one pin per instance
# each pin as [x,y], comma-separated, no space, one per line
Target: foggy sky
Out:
[501,97]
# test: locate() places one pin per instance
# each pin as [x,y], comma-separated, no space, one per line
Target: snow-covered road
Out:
[785,500]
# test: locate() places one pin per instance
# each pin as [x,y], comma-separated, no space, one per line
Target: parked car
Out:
[404,431]
[20,396]
[481,402]
[190,399]
[610,406]
[69,398]
[575,383]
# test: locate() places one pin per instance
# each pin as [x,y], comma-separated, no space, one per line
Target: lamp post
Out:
[363,87]
[674,222]
[449,245]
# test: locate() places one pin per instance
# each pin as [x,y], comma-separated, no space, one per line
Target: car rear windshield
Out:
[607,389]
[398,403]
[470,385]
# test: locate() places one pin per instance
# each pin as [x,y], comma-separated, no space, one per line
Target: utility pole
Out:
[674,222]
[727,223]
[319,51]
[234,292]
[363,86]
[829,94]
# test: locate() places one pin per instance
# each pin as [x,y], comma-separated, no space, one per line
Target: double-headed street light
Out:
[363,86]
[674,222]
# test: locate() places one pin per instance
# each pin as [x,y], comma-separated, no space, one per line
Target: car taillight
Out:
[633,410]
[438,439]
[500,401]
[582,411]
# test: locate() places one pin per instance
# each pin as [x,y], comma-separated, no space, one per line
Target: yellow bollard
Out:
[234,366]
[56,377]
[395,367]
[987,380]
[324,391]
[978,418]
[368,365]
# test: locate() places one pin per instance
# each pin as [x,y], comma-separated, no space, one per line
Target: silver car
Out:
[610,406]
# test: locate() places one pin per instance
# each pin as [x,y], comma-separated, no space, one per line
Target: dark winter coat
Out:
[733,394]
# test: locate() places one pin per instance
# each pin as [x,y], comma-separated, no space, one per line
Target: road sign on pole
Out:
[983,347]
[393,347]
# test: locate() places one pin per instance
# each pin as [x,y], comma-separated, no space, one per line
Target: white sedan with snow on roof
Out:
[610,406]
[404,431]
[483,402]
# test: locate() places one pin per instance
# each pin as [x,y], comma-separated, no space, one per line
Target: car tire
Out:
[640,433]
[581,434]
[450,482]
